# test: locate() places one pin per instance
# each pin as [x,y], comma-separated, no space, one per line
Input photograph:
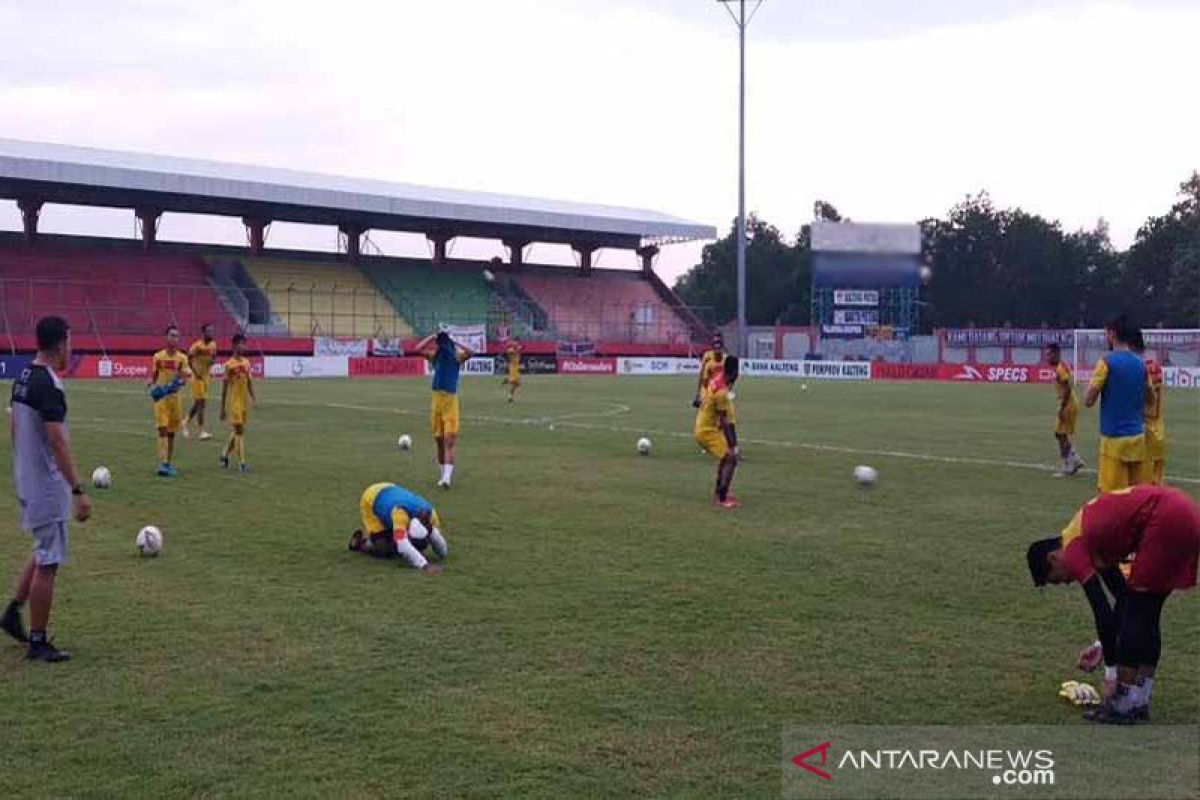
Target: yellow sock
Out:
[241,447]
[162,449]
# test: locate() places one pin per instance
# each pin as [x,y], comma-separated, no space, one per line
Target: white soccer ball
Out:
[643,446]
[405,442]
[149,541]
[101,478]
[866,476]
[804,387]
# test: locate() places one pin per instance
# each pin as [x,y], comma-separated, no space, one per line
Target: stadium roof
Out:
[857,237]
[58,173]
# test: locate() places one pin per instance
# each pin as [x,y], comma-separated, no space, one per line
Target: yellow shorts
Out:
[1064,423]
[199,388]
[1156,444]
[371,524]
[1158,471]
[514,377]
[713,442]
[168,413]
[236,414]
[443,416]
[1122,462]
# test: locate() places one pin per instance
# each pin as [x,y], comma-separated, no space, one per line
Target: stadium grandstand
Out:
[119,292]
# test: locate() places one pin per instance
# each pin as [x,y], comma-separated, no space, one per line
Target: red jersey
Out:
[1157,524]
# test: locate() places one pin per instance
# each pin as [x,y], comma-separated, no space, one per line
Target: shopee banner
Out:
[136,367]
[587,366]
[408,367]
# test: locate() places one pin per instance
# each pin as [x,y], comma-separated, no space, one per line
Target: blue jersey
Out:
[445,369]
[1123,396]
[393,497]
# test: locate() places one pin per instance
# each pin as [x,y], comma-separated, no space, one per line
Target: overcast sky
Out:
[891,109]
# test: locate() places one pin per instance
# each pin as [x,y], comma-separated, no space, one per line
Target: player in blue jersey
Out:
[1119,383]
[397,523]
[447,357]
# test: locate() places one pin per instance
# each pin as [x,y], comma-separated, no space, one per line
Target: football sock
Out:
[1145,687]
[447,472]
[240,440]
[37,637]
[162,449]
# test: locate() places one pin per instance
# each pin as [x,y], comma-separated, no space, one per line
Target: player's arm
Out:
[729,429]
[464,352]
[1099,378]
[153,371]
[250,387]
[51,404]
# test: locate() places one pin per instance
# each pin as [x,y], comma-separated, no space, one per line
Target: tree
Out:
[1162,264]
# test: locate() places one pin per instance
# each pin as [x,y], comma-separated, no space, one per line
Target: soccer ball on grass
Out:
[405,442]
[866,476]
[149,541]
[643,446]
[101,478]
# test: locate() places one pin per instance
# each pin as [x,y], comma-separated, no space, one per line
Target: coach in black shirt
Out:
[47,484]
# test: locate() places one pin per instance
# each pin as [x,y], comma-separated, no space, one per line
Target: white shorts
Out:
[50,544]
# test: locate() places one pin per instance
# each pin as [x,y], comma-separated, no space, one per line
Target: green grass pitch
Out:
[602,630]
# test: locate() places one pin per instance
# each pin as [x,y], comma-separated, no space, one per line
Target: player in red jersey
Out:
[1159,527]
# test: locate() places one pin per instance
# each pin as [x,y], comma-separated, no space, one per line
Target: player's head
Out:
[206,331]
[239,344]
[357,539]
[1053,354]
[1045,562]
[718,343]
[730,370]
[1118,330]
[54,341]
[1137,342]
[443,340]
[172,336]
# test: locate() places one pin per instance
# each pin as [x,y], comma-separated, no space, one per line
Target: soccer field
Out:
[601,628]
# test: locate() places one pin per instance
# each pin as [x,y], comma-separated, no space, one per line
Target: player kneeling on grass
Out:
[715,428]
[1159,527]
[398,523]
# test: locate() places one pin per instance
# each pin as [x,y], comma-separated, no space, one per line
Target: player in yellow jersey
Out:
[1068,412]
[169,367]
[201,356]
[710,362]
[512,355]
[716,429]
[1152,416]
[237,396]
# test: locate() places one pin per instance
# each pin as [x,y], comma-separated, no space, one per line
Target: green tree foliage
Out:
[1163,265]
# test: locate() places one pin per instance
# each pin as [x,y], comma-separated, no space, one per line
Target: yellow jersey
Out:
[202,354]
[513,354]
[1153,411]
[166,367]
[1063,380]
[715,403]
[237,378]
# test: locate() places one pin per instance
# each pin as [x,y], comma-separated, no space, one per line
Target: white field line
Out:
[619,409]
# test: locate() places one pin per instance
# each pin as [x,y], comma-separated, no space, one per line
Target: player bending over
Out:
[512,355]
[398,523]
[201,356]
[168,369]
[716,429]
[237,396]
[1068,411]
[1159,527]
[447,357]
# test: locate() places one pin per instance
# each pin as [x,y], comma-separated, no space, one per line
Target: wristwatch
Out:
[77,490]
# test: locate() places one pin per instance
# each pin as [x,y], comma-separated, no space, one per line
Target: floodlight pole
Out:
[742,21]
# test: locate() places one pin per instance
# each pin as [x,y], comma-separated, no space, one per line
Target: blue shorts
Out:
[50,544]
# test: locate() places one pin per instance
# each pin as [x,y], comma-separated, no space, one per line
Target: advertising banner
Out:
[11,366]
[842,331]
[1181,377]
[480,365]
[830,370]
[856,316]
[587,366]
[658,366]
[1013,337]
[996,373]
[387,347]
[855,297]
[473,336]
[307,367]
[538,364]
[881,371]
[407,367]
[328,346]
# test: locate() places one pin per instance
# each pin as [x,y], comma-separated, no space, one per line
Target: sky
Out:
[893,110]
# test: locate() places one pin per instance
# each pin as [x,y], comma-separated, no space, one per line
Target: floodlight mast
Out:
[742,21]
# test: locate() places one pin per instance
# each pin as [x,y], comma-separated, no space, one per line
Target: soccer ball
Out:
[488,276]
[405,442]
[804,387]
[866,476]
[643,446]
[149,541]
[101,478]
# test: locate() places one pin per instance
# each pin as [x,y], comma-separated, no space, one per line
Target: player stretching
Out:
[1068,411]
[1158,526]
[399,523]
[512,354]
[201,356]
[1152,416]
[170,366]
[447,357]
[716,430]
[710,362]
[237,395]
[1119,383]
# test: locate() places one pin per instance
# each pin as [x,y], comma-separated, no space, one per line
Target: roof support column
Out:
[148,219]
[647,255]
[353,234]
[256,231]
[585,257]
[31,208]
[516,248]
[439,246]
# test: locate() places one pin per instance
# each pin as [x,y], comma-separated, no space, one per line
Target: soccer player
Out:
[512,354]
[1152,416]
[716,430]
[1068,411]
[169,365]
[1119,383]
[447,357]
[47,485]
[710,362]
[399,523]
[1159,527]
[237,395]
[201,356]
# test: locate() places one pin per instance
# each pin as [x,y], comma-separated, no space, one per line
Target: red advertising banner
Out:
[366,367]
[882,371]
[580,365]
[996,373]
